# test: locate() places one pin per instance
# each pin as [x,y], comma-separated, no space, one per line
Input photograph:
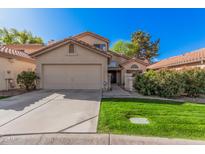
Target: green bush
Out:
[27,80]
[171,83]
[146,83]
[194,82]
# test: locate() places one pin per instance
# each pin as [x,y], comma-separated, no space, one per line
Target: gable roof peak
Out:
[70,40]
[91,34]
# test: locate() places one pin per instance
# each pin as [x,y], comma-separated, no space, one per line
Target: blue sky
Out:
[180,30]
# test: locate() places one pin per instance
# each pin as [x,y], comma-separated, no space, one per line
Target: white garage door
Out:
[72,77]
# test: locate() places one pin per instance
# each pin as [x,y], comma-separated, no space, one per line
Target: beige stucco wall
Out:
[83,56]
[15,66]
[92,40]
[140,66]
[128,67]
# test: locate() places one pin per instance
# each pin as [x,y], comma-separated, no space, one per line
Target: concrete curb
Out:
[89,139]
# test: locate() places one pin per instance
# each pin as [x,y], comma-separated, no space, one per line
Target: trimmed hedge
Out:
[146,83]
[171,83]
[194,82]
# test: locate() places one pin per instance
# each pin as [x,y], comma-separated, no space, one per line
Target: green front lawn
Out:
[167,119]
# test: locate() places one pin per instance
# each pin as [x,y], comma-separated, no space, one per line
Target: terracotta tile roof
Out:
[4,50]
[135,60]
[130,59]
[74,40]
[28,48]
[119,55]
[189,57]
[91,34]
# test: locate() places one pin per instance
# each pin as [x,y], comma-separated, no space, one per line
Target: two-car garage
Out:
[86,68]
[72,76]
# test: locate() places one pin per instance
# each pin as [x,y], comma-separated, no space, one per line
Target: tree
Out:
[13,36]
[146,48]
[120,47]
[123,47]
[140,46]
[6,37]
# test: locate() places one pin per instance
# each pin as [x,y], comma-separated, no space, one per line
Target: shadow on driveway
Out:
[19,102]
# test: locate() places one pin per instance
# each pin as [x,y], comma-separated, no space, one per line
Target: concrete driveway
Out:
[47,111]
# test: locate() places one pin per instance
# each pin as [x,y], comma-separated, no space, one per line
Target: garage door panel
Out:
[72,77]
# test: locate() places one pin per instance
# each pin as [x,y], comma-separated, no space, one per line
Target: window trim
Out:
[74,53]
[133,66]
[113,63]
[100,44]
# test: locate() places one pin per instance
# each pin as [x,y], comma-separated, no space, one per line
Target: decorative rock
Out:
[139,120]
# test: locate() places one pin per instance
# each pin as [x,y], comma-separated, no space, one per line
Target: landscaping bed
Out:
[2,97]
[167,118]
[9,93]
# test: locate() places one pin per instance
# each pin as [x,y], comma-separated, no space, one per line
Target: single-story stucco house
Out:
[13,62]
[188,60]
[83,62]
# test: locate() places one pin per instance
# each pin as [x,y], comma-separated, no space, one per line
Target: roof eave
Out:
[9,56]
[64,42]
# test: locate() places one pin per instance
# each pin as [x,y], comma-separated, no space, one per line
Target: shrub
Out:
[27,80]
[146,83]
[194,82]
[171,83]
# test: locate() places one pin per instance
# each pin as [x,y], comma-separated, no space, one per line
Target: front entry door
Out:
[113,77]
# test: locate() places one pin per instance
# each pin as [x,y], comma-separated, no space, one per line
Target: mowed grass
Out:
[167,119]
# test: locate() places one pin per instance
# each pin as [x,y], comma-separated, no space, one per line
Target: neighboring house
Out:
[12,63]
[82,62]
[28,48]
[187,60]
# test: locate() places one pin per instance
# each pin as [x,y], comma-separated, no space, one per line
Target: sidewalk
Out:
[91,139]
[118,92]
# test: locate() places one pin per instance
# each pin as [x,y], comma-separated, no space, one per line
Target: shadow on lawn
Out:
[142,100]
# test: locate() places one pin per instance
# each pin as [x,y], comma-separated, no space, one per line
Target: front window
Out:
[100,46]
[113,64]
[134,66]
[71,49]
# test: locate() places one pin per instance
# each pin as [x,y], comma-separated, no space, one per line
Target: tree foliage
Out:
[120,47]
[140,46]
[13,36]
[124,47]
[146,48]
